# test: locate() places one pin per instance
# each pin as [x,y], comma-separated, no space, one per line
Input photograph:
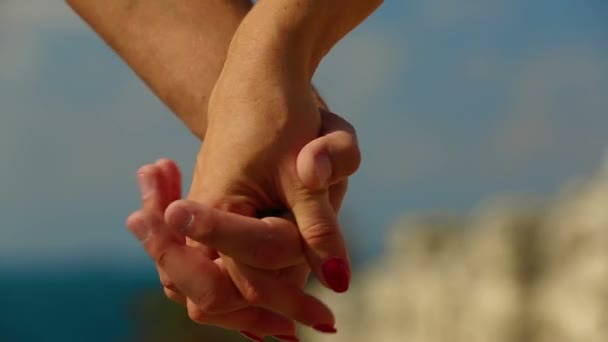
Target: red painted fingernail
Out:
[251,336]
[325,328]
[287,338]
[335,272]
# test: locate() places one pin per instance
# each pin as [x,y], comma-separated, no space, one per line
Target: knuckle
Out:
[197,315]
[251,294]
[320,233]
[268,256]
[169,285]
[161,258]
[174,296]
[133,219]
[207,302]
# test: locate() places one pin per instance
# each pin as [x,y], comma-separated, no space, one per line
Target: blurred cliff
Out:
[513,270]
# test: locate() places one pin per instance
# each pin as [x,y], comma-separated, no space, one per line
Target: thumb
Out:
[324,245]
[330,158]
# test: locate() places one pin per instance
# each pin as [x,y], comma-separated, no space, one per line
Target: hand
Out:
[250,162]
[250,244]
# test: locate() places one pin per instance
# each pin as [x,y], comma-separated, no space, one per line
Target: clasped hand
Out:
[261,212]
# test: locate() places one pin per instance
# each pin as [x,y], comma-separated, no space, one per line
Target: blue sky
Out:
[454,101]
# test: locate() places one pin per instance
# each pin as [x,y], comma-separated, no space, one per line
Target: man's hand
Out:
[249,165]
[231,181]
[261,115]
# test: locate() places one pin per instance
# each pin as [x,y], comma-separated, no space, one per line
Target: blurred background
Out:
[480,212]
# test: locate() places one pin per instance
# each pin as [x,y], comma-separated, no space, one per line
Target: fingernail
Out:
[146,184]
[325,328]
[184,220]
[141,232]
[251,336]
[323,168]
[335,272]
[287,338]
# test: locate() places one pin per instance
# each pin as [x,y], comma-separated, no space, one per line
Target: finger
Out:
[150,186]
[332,157]
[169,287]
[337,193]
[175,296]
[192,272]
[270,243]
[269,291]
[258,322]
[324,245]
[170,182]
[209,289]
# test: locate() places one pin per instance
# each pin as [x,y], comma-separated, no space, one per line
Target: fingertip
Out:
[313,165]
[325,247]
[177,211]
[138,227]
[143,169]
[164,162]
[148,170]
[337,274]
[179,217]
[133,219]
[147,180]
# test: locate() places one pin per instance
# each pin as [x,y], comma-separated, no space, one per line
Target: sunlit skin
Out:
[262,150]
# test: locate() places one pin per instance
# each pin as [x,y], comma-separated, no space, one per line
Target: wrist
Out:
[263,45]
[300,32]
[282,34]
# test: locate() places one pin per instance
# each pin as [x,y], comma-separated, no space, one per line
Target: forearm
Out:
[297,34]
[177,47]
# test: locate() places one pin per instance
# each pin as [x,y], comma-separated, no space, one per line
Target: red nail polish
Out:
[252,336]
[335,272]
[287,338]
[325,328]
